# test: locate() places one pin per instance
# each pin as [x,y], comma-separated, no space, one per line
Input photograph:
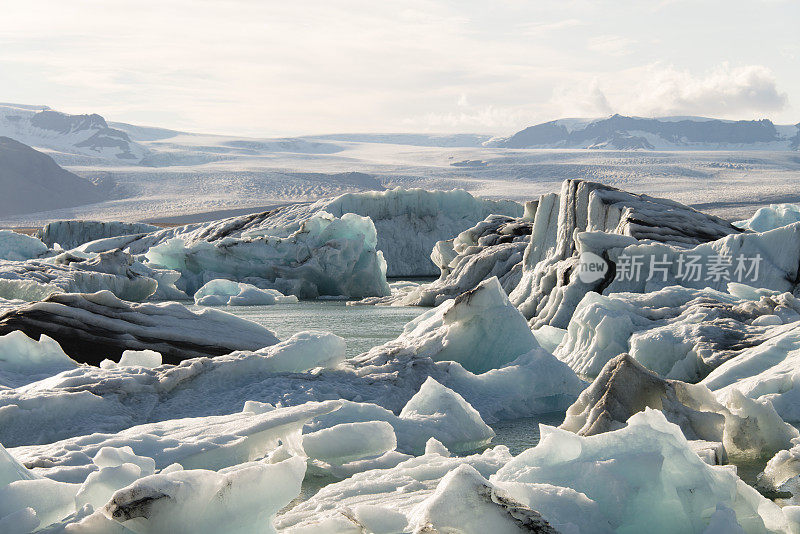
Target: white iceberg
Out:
[24,360]
[644,477]
[383,498]
[325,256]
[222,292]
[769,218]
[466,503]
[16,246]
[681,333]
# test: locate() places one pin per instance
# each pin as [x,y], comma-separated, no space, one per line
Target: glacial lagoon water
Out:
[364,327]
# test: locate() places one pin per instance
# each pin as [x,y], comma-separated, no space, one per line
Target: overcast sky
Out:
[304,67]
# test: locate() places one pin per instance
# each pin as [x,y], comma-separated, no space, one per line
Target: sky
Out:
[267,68]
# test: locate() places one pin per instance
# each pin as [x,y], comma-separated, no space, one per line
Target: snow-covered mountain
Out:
[667,133]
[64,136]
[32,181]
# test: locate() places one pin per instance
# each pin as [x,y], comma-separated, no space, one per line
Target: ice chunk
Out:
[400,489]
[479,329]
[228,293]
[677,332]
[767,371]
[645,477]
[467,503]
[140,358]
[114,271]
[71,234]
[100,485]
[747,428]
[240,500]
[460,425]
[346,442]
[211,442]
[325,256]
[769,218]
[92,327]
[494,247]
[19,247]
[24,360]
[434,413]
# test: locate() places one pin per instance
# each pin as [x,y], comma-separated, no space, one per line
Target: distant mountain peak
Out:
[620,132]
[66,136]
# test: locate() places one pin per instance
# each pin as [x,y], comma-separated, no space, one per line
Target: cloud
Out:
[580,101]
[658,90]
[724,91]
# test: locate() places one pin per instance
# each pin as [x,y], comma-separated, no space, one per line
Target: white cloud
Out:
[724,91]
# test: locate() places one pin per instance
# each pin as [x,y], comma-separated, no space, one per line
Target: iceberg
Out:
[384,499]
[210,442]
[765,371]
[74,233]
[492,248]
[114,271]
[15,246]
[746,428]
[549,288]
[228,293]
[91,327]
[644,477]
[479,329]
[769,218]
[325,256]
[681,333]
[24,360]
[467,503]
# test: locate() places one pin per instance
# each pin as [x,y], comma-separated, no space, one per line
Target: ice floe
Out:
[228,293]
